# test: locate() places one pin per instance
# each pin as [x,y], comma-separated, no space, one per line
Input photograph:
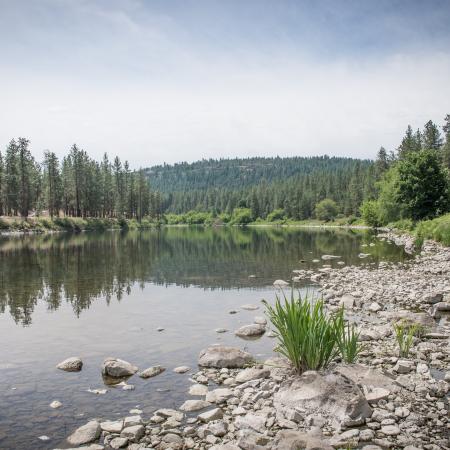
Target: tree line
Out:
[415,182]
[77,186]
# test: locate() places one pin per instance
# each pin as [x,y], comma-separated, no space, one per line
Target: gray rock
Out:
[293,440]
[348,301]
[252,330]
[118,368]
[182,369]
[252,373]
[194,405]
[251,421]
[152,372]
[112,426]
[250,307]
[72,364]
[85,434]
[222,356]
[209,416]
[260,320]
[133,433]
[118,442]
[404,366]
[280,283]
[330,394]
[390,430]
[198,389]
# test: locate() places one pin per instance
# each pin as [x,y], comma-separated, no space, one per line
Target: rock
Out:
[390,430]
[152,372]
[133,433]
[346,438]
[227,446]
[198,389]
[329,257]
[117,368]
[115,426]
[222,356]
[132,420]
[250,307]
[280,283]
[252,373]
[374,307]
[172,438]
[293,440]
[194,405]
[252,330]
[73,364]
[376,394]
[219,395]
[330,394]
[221,330]
[218,428]
[433,297]
[182,369]
[213,414]
[404,366]
[97,391]
[368,334]
[251,421]
[347,300]
[85,434]
[55,404]
[367,376]
[260,320]
[159,329]
[118,442]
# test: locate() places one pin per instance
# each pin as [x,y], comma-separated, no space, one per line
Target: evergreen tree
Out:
[431,137]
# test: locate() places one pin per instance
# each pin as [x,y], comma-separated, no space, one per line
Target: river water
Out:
[98,295]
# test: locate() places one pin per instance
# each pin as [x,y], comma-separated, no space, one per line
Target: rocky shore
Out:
[380,402]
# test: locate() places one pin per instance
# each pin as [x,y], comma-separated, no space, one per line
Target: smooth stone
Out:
[390,430]
[251,421]
[194,405]
[260,320]
[376,394]
[115,426]
[219,395]
[151,372]
[251,330]
[85,434]
[97,391]
[222,356]
[347,300]
[329,257]
[221,330]
[213,414]
[118,368]
[72,364]
[374,307]
[252,373]
[280,283]
[55,404]
[293,440]
[118,442]
[182,369]
[198,389]
[249,307]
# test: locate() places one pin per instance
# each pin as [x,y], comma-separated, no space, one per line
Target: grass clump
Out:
[404,333]
[307,336]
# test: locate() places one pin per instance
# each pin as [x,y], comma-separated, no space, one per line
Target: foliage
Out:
[306,335]
[347,339]
[326,209]
[370,213]
[242,216]
[404,333]
[422,185]
[437,229]
[275,215]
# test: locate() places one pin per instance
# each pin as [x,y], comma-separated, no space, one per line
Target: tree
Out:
[370,213]
[422,185]
[242,216]
[382,162]
[431,137]
[52,183]
[446,146]
[326,210]
[27,177]
[409,143]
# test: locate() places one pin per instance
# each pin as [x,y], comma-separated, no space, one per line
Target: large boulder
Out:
[117,368]
[294,440]
[331,395]
[72,364]
[367,376]
[220,356]
[85,434]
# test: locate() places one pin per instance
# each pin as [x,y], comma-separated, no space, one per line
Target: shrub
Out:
[370,213]
[306,335]
[276,214]
[437,229]
[347,339]
[404,333]
[326,210]
[242,216]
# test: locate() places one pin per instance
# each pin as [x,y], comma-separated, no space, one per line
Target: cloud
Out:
[159,84]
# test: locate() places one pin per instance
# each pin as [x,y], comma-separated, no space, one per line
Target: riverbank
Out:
[236,402]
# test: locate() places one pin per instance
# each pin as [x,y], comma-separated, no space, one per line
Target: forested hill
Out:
[294,184]
[241,172]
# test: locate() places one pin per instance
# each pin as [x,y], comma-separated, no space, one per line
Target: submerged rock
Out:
[224,357]
[280,283]
[117,368]
[72,364]
[182,369]
[151,372]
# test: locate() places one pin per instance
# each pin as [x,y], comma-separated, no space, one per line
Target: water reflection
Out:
[81,268]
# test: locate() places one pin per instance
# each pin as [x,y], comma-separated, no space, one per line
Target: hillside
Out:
[294,184]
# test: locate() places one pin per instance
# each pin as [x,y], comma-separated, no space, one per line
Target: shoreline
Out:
[390,402]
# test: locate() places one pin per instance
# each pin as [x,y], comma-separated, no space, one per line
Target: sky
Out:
[156,81]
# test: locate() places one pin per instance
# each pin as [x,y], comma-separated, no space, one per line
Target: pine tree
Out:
[446,145]
[431,137]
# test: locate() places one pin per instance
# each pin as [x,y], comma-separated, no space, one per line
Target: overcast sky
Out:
[167,81]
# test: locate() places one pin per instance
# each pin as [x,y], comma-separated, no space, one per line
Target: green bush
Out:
[326,210]
[275,215]
[242,216]
[437,229]
[370,213]
[404,333]
[306,335]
